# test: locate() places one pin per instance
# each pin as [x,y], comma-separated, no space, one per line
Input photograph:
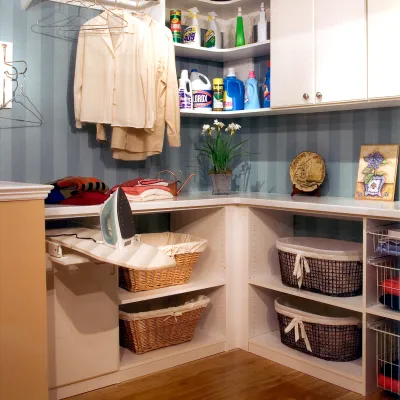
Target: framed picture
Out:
[377,172]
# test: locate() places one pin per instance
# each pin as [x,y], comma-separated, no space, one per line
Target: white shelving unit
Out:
[223,55]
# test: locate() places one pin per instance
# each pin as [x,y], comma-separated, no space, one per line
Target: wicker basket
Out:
[320,330]
[327,266]
[185,249]
[146,331]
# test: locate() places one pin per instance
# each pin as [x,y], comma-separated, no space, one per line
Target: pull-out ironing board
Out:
[90,243]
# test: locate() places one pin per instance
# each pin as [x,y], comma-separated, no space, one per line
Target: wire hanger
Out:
[97,27]
[22,99]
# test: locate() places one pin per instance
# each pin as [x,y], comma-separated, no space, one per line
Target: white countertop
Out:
[323,205]
[13,191]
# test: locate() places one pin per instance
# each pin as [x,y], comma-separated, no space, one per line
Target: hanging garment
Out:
[114,78]
[137,144]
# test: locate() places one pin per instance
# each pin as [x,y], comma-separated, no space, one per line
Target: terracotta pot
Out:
[222,183]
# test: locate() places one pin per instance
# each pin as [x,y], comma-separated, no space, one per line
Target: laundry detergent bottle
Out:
[202,91]
[212,38]
[185,91]
[251,99]
[233,92]
[267,87]
[192,34]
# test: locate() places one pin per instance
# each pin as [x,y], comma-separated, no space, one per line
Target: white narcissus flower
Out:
[237,126]
[206,127]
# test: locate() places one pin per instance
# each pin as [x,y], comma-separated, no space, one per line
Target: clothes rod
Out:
[126,4]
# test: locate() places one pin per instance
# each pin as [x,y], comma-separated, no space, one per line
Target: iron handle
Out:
[319,95]
[306,96]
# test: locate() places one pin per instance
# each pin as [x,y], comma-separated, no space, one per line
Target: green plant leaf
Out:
[367,170]
[368,178]
[384,162]
[379,173]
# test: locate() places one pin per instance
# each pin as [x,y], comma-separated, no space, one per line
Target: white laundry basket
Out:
[320,330]
[327,266]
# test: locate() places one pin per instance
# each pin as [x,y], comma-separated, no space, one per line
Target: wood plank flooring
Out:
[235,375]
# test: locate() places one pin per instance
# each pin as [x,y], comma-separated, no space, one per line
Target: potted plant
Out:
[374,179]
[217,147]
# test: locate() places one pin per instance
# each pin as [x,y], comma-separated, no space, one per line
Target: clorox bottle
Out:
[201,90]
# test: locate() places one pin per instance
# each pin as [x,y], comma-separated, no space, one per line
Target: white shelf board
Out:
[126,297]
[223,55]
[272,341]
[200,340]
[315,205]
[382,311]
[274,283]
[224,9]
[265,112]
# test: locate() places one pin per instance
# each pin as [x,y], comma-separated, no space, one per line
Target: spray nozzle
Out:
[211,15]
[239,11]
[193,12]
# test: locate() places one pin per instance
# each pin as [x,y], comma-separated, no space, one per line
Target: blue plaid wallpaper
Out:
[57,149]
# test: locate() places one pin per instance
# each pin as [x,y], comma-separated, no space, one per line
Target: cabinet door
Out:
[82,322]
[340,50]
[292,53]
[383,52]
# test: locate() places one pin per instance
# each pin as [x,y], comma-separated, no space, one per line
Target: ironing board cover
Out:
[138,256]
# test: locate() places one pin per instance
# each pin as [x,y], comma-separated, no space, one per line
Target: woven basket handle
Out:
[166,170]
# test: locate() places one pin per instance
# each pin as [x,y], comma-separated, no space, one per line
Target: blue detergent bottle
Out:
[251,99]
[267,87]
[233,92]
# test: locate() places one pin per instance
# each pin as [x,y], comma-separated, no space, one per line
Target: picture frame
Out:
[377,172]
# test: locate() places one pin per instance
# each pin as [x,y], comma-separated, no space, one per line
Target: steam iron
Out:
[116,221]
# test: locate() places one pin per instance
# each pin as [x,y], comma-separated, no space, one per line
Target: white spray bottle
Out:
[192,34]
[262,26]
[212,37]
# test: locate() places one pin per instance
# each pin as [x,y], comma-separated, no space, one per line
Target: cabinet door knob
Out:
[319,95]
[306,96]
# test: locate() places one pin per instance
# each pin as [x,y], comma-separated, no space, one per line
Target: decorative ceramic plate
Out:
[307,171]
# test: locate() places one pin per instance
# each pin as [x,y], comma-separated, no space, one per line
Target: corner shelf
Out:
[227,114]
[381,311]
[223,55]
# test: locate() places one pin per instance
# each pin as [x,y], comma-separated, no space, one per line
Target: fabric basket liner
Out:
[315,313]
[321,248]
[201,302]
[173,243]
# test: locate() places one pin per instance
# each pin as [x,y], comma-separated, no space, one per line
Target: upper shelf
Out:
[223,55]
[224,9]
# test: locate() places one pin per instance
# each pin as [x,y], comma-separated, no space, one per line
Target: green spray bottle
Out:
[239,29]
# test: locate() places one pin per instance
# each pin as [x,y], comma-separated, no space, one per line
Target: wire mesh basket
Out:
[386,240]
[388,281]
[387,354]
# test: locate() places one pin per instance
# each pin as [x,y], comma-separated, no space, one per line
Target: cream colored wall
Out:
[23,337]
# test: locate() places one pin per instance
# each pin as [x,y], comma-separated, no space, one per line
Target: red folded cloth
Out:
[137,186]
[388,383]
[86,199]
[392,286]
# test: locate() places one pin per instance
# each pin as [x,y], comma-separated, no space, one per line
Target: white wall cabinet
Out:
[383,55]
[340,50]
[292,53]
[318,52]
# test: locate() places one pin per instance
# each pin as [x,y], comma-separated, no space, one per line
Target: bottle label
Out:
[267,93]
[190,34]
[209,39]
[202,99]
[246,94]
[228,102]
[185,100]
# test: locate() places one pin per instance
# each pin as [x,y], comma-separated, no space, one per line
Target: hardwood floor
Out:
[236,375]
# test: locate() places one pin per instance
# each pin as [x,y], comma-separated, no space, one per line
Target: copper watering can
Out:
[173,185]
